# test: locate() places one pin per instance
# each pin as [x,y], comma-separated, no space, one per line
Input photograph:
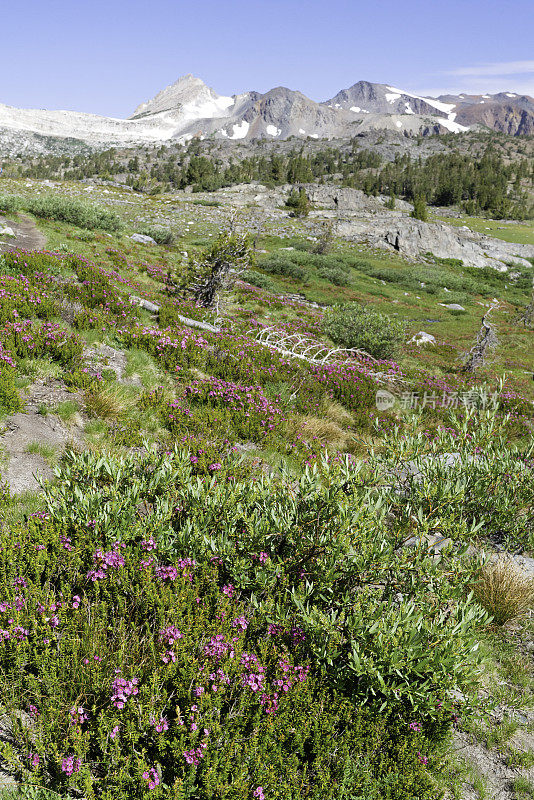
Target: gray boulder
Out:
[140,238]
[416,468]
[432,542]
[423,338]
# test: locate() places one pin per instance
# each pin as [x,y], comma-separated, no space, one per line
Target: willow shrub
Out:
[467,481]
[74,212]
[355,326]
[174,635]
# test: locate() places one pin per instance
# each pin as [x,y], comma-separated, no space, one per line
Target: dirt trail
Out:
[26,233]
[21,432]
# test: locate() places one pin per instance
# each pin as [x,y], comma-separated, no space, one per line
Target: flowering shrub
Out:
[9,397]
[25,340]
[141,673]
[19,299]
[30,263]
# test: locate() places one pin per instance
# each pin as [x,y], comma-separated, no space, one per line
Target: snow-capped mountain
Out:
[379,98]
[189,98]
[188,108]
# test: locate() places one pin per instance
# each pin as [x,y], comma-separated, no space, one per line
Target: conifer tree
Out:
[298,202]
[419,209]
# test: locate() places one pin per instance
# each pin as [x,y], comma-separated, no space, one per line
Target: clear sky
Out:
[107,56]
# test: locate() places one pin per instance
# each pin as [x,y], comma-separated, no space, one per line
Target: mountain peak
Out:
[188,90]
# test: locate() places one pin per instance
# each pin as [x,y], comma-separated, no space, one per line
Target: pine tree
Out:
[419,209]
[298,202]
[391,202]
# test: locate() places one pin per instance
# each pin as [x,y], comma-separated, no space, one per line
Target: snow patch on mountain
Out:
[239,131]
[446,108]
[451,125]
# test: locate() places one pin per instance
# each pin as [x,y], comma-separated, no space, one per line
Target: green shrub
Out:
[282,265]
[336,276]
[160,235]
[11,203]
[24,262]
[198,635]
[353,325]
[454,499]
[74,212]
[261,281]
[211,203]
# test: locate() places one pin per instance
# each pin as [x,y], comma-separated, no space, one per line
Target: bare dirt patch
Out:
[27,235]
[29,429]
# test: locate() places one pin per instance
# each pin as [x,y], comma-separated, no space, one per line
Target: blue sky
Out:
[107,56]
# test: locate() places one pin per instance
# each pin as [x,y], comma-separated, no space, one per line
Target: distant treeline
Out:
[487,184]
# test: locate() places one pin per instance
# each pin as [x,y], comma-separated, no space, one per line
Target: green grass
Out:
[20,506]
[40,368]
[47,452]
[66,410]
[508,231]
[522,787]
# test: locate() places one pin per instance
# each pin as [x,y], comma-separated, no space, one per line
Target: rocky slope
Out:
[188,108]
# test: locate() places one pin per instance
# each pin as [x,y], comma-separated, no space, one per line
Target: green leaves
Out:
[385,623]
[354,326]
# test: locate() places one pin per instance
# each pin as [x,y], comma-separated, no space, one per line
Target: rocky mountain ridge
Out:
[190,109]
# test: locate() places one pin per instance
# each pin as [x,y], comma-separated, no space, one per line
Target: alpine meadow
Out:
[267,440]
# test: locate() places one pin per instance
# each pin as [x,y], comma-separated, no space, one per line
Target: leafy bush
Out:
[336,276]
[24,340]
[160,235]
[353,325]
[29,263]
[281,265]
[261,281]
[74,212]
[211,203]
[11,203]
[189,635]
[454,498]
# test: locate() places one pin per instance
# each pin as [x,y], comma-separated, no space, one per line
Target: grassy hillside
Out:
[247,578]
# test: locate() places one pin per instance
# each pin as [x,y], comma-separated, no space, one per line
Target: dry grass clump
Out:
[504,590]
[324,430]
[335,412]
[107,403]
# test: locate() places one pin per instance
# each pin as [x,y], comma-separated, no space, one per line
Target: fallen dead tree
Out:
[296,345]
